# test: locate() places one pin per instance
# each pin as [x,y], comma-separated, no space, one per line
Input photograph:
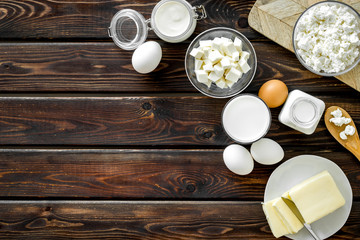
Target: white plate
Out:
[296,170]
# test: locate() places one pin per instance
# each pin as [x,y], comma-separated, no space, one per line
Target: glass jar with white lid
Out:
[302,112]
[172,20]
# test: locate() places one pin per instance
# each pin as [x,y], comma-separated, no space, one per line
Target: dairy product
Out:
[223,60]
[302,111]
[277,226]
[233,75]
[349,131]
[292,223]
[246,118]
[172,19]
[327,37]
[316,197]
[336,113]
[338,119]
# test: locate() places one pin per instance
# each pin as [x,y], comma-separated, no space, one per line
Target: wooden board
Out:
[160,220]
[103,67]
[139,121]
[276,19]
[89,20]
[141,174]
[90,149]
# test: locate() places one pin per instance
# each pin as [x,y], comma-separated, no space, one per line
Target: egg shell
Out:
[267,151]
[274,93]
[238,159]
[146,57]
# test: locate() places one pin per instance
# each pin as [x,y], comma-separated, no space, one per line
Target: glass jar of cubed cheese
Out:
[171,20]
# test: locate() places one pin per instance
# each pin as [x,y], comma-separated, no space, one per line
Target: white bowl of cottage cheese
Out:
[326,38]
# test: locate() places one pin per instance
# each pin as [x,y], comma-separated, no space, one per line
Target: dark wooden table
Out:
[92,150]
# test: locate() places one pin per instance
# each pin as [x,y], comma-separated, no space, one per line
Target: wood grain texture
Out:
[143,174]
[46,19]
[103,67]
[135,121]
[266,18]
[143,220]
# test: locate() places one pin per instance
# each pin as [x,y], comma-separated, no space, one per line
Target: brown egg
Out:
[274,93]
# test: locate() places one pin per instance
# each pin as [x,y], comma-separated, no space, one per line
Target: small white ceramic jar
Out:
[302,112]
[171,20]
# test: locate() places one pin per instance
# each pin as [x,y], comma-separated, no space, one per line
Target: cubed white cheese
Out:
[214,77]
[229,48]
[208,67]
[207,61]
[225,62]
[221,83]
[206,51]
[235,56]
[217,44]
[196,53]
[244,66]
[229,83]
[205,43]
[198,64]
[226,71]
[215,56]
[234,64]
[225,39]
[208,83]
[244,55]
[233,75]
[201,76]
[220,61]
[238,44]
[219,70]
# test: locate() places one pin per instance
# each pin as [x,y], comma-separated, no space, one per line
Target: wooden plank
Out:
[143,220]
[103,67]
[266,18]
[44,19]
[142,174]
[134,121]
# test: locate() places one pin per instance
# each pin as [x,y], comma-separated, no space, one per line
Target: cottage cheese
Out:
[349,131]
[327,37]
[338,119]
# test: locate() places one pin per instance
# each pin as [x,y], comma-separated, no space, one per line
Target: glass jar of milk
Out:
[172,20]
[302,112]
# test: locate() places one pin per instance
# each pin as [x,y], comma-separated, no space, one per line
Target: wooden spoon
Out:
[352,143]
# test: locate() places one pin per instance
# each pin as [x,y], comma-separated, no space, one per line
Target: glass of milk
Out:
[246,118]
[172,20]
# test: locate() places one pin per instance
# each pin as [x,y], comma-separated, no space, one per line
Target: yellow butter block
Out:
[277,226]
[287,216]
[280,218]
[316,197]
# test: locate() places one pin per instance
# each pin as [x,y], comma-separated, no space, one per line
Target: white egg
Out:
[146,57]
[238,159]
[266,151]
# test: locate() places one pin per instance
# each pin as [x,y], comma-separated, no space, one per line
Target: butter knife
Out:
[298,215]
